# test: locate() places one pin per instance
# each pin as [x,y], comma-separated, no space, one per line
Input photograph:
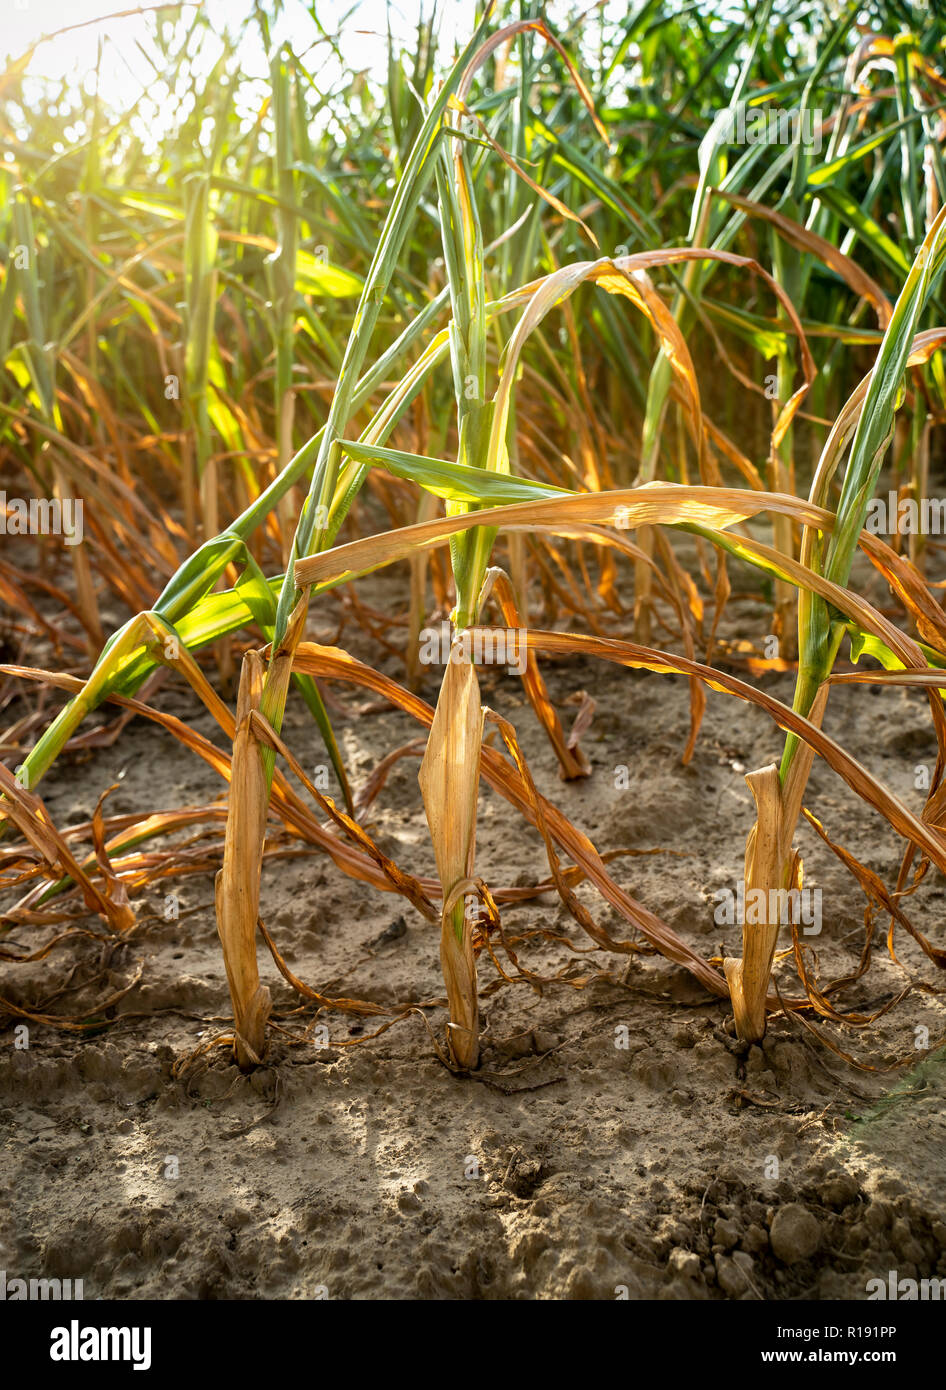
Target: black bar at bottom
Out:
[163,1338]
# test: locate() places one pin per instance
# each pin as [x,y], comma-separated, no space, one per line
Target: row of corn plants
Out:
[499,259]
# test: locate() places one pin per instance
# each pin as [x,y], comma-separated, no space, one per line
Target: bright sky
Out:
[361,26]
[24,21]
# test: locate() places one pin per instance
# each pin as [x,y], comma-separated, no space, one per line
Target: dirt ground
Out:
[570,1167]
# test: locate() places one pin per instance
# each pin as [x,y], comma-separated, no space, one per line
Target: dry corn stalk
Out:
[765,869]
[771,864]
[238,882]
[449,782]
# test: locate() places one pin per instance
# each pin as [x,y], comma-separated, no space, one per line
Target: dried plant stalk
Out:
[770,864]
[238,882]
[459,973]
[748,978]
[449,782]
